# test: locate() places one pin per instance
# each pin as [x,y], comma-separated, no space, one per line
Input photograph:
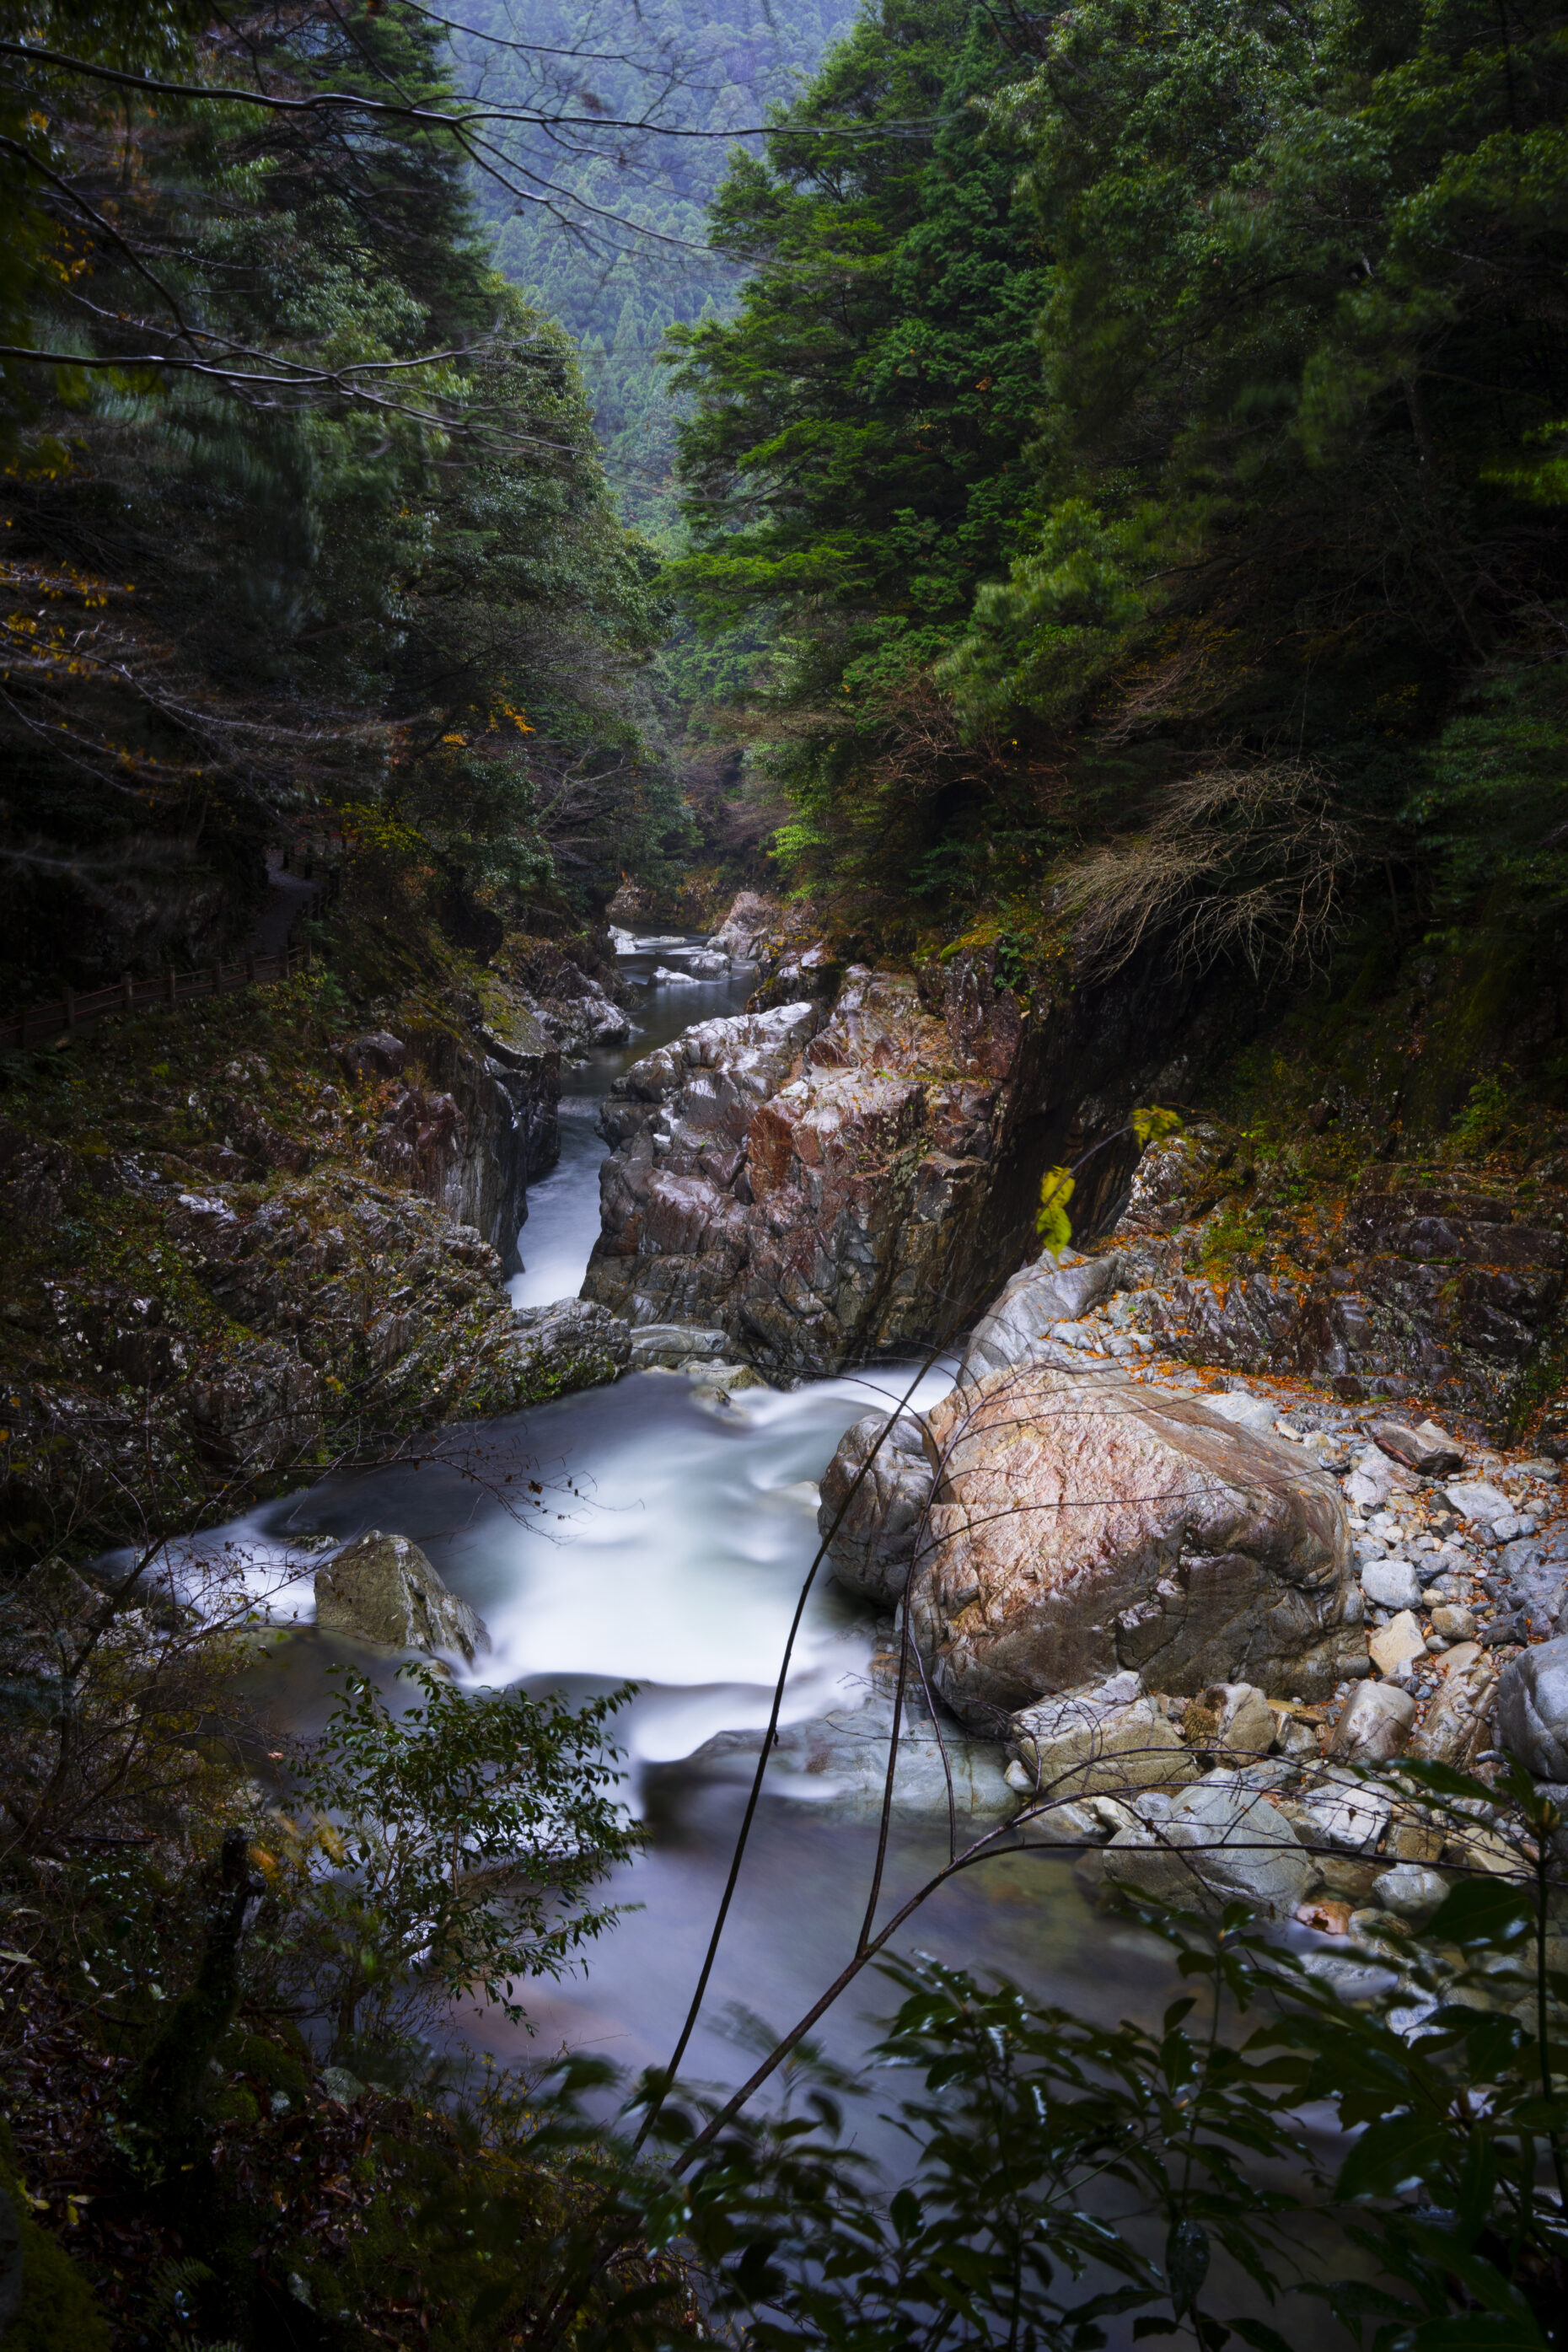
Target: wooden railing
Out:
[37,1025]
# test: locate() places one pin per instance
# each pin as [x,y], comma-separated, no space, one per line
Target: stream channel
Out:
[668,1549]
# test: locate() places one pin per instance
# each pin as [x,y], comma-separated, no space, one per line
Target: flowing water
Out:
[668,1547]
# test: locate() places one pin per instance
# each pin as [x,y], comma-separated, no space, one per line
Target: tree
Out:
[853,463]
[1304,343]
[465,1830]
[330,540]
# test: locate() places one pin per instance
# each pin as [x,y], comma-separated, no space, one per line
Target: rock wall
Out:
[473,1121]
[248,1260]
[1435,1282]
[825,1181]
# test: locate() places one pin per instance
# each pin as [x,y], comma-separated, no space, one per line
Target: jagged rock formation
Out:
[320,1247]
[825,1185]
[471,1120]
[1438,1284]
[566,998]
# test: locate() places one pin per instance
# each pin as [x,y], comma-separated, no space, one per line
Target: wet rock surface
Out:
[821,1181]
[1219,1842]
[875,1494]
[326,1237]
[1084,1526]
[839,1762]
[1533,1710]
[383,1589]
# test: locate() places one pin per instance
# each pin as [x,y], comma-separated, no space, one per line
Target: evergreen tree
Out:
[852,466]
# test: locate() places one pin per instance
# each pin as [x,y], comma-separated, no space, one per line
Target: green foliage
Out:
[620,253]
[467,1830]
[1062,2175]
[394,585]
[852,457]
[1285,487]
[56,2312]
[1052,1223]
[1489,805]
[1156,1126]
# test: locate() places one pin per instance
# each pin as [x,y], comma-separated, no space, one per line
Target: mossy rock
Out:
[236,2105]
[264,2062]
[57,2310]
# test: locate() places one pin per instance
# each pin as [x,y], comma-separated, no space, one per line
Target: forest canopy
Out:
[1193,395]
[305,523]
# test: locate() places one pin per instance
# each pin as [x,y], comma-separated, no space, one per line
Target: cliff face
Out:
[834,1177]
[853,1167]
[1422,1278]
[238,1242]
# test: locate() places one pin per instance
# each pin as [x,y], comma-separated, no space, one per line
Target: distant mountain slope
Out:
[609,233]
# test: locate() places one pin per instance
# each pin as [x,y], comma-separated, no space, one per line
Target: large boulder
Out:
[744,932]
[1533,1709]
[1220,1841]
[383,1589]
[870,1547]
[1082,1525]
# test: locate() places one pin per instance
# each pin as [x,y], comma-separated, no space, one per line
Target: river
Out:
[667,1548]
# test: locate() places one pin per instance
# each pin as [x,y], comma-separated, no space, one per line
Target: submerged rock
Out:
[839,1760]
[675,1345]
[383,1589]
[1083,1525]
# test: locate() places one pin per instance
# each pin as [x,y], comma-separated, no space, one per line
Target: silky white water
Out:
[666,1545]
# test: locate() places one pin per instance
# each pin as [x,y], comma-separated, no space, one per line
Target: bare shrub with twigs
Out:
[1240,860]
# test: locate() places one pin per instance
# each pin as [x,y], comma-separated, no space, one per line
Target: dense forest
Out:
[1063,509]
[307,530]
[1166,444]
[607,232]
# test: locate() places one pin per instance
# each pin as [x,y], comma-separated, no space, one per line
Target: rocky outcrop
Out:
[1081,1526]
[471,1120]
[1436,1285]
[329,1309]
[823,1185]
[568,1344]
[747,931]
[383,1589]
[871,1529]
[564,992]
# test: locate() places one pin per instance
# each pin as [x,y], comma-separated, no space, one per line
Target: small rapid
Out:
[645,1532]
